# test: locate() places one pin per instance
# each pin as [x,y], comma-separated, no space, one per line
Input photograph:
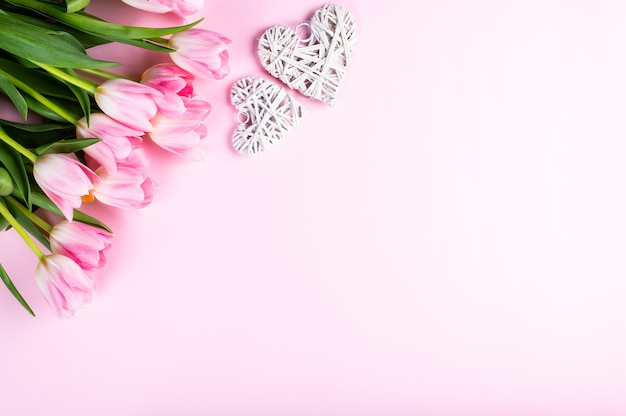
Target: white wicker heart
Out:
[266,114]
[314,66]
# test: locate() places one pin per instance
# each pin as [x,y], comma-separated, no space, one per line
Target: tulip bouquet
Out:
[86,142]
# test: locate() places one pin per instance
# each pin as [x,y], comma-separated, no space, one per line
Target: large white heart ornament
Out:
[315,65]
[266,114]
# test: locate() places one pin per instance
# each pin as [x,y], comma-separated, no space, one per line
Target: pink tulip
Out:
[117,144]
[153,6]
[65,286]
[128,102]
[180,7]
[127,188]
[169,78]
[137,160]
[82,243]
[201,52]
[65,180]
[184,8]
[174,83]
[182,134]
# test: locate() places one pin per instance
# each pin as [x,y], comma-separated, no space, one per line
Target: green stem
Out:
[81,83]
[4,211]
[15,145]
[39,222]
[39,97]
[105,74]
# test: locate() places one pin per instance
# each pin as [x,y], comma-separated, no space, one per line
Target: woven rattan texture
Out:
[266,114]
[315,66]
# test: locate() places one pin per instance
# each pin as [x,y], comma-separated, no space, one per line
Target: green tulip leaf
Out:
[14,95]
[65,146]
[38,108]
[4,224]
[29,226]
[72,6]
[150,44]
[37,79]
[85,39]
[13,163]
[50,47]
[93,25]
[9,284]
[82,96]
[35,135]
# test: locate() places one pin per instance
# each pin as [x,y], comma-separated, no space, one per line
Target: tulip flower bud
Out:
[6,183]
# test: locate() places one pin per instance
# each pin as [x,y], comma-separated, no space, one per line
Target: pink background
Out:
[448,239]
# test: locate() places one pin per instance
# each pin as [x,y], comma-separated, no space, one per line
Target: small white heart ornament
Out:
[266,114]
[314,66]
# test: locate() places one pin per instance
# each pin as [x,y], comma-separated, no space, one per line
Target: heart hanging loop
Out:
[304,32]
[243,118]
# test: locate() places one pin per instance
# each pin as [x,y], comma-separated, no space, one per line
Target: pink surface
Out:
[447,240]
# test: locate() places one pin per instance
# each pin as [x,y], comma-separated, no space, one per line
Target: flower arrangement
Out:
[86,145]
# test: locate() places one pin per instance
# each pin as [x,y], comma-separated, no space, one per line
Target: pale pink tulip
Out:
[152,6]
[65,180]
[201,52]
[118,140]
[128,102]
[182,134]
[65,286]
[185,8]
[127,188]
[137,160]
[180,7]
[174,83]
[169,78]
[80,242]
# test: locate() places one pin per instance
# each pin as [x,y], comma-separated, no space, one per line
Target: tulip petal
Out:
[201,52]
[128,102]
[64,180]
[65,286]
